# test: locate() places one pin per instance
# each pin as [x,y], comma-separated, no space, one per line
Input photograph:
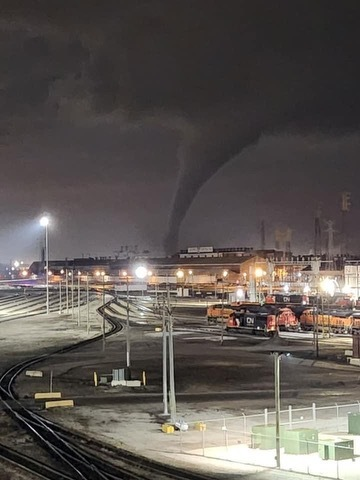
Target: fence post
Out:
[359,405]
[203,441]
[337,417]
[314,412]
[244,416]
[266,416]
[290,416]
[224,429]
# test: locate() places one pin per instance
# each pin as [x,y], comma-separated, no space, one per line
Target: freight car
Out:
[249,322]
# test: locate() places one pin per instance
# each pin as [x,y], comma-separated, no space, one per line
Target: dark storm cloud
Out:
[224,73]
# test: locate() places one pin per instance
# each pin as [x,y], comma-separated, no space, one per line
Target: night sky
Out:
[127,120]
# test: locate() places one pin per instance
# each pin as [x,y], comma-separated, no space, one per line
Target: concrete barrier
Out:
[34,373]
[42,395]
[59,403]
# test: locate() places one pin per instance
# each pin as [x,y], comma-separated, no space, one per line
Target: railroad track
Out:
[77,457]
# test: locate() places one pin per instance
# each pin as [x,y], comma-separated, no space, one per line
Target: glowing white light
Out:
[240,294]
[124,273]
[16,264]
[328,286]
[24,273]
[62,271]
[190,272]
[225,273]
[306,289]
[286,288]
[141,271]
[259,272]
[44,221]
[180,274]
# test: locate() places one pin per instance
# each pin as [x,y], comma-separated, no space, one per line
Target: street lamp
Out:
[44,222]
[125,275]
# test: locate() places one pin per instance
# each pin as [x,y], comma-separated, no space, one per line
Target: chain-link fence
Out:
[321,441]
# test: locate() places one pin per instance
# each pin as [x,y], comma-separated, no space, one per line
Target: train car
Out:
[248,322]
[287,320]
[336,323]
[219,311]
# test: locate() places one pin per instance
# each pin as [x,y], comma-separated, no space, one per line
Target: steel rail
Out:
[84,461]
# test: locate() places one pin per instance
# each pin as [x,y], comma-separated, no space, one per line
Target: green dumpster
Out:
[301,441]
[354,423]
[264,437]
[336,449]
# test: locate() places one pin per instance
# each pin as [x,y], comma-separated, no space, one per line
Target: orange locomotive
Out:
[344,322]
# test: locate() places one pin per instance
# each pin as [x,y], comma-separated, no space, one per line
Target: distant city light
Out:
[141,272]
[286,288]
[24,273]
[259,272]
[16,264]
[328,286]
[180,274]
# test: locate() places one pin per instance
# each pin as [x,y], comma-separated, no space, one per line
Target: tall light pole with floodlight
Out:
[44,222]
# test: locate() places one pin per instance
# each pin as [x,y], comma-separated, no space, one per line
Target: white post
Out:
[72,294]
[51,381]
[266,416]
[79,299]
[60,299]
[127,323]
[277,406]
[165,392]
[222,314]
[87,305]
[290,416]
[67,290]
[47,268]
[171,364]
[314,412]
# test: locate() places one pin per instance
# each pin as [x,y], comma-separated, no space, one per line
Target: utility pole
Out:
[87,304]
[171,361]
[317,233]
[60,299]
[67,290]
[277,357]
[79,298]
[72,294]
[164,331]
[127,323]
[345,208]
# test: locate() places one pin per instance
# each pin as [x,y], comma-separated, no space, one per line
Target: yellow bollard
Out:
[95,379]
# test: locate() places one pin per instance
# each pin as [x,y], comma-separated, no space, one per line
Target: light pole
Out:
[87,304]
[44,222]
[79,297]
[67,290]
[125,274]
[225,273]
[164,332]
[102,274]
[277,356]
[171,361]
